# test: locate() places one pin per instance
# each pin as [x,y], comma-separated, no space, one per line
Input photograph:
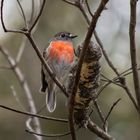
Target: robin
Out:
[60,56]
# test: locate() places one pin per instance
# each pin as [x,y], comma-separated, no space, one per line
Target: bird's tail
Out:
[51,97]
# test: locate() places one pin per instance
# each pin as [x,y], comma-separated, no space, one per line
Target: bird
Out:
[59,55]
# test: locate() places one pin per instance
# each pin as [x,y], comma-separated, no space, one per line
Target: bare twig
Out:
[132,25]
[127,73]
[112,81]
[101,115]
[86,2]
[70,2]
[32,12]
[23,14]
[21,49]
[38,16]
[83,11]
[99,111]
[16,97]
[34,115]
[49,135]
[111,109]
[80,62]
[131,97]
[105,54]
[123,74]
[98,131]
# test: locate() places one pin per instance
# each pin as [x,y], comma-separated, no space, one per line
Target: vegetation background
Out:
[113,29]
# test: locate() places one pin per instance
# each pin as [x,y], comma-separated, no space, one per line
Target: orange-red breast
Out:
[60,56]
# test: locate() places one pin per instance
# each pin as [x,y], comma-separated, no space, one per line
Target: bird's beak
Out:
[73,36]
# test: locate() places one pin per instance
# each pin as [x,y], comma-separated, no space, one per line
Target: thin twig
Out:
[23,13]
[110,110]
[111,81]
[70,2]
[34,115]
[21,49]
[32,12]
[48,135]
[123,74]
[105,127]
[131,97]
[128,73]
[38,16]
[132,25]
[80,62]
[105,54]
[89,10]
[112,107]
[98,131]
[16,97]
[83,11]
[125,71]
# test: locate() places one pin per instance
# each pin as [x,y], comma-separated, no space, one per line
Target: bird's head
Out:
[66,36]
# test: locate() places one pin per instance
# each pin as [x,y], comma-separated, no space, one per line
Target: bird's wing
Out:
[44,83]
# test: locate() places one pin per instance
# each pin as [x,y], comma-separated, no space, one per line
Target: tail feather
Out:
[51,99]
[43,89]
[44,83]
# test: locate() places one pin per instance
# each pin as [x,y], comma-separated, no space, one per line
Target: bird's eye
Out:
[62,35]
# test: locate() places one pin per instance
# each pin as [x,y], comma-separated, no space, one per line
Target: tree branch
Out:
[80,62]
[70,2]
[49,135]
[98,131]
[105,124]
[21,49]
[38,16]
[132,25]
[111,109]
[34,115]
[23,14]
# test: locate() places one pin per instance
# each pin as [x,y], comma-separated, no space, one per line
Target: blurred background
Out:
[113,30]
